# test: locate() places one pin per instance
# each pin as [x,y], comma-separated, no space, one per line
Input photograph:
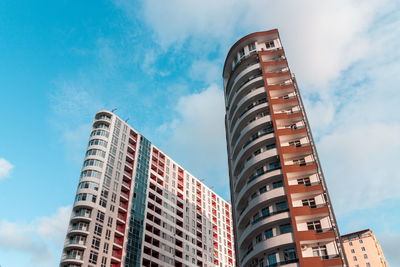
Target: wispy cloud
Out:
[195,137]
[40,241]
[5,168]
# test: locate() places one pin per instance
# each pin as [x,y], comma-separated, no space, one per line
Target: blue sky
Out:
[159,63]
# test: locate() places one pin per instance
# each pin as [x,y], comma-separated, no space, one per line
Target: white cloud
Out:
[195,138]
[206,71]
[322,38]
[357,163]
[5,168]
[40,241]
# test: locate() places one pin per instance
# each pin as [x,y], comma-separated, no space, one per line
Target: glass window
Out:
[268,233]
[280,206]
[277,184]
[285,228]
[272,259]
[289,254]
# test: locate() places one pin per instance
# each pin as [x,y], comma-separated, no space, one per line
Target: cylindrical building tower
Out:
[282,212]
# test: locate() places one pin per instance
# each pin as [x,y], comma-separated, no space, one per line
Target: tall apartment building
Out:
[363,250]
[135,206]
[281,208]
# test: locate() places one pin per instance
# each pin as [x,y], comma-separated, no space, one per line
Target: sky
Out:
[160,63]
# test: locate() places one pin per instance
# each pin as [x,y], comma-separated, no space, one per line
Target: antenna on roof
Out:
[114,109]
[127,120]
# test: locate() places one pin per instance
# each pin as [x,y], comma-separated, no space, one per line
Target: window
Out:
[252,46]
[320,251]
[367,264]
[93,162]
[305,181]
[98,229]
[365,256]
[277,184]
[314,225]
[96,152]
[269,44]
[309,202]
[108,234]
[93,257]
[354,258]
[272,259]
[103,202]
[100,216]
[360,241]
[350,243]
[105,248]
[85,197]
[258,238]
[353,251]
[268,233]
[91,173]
[263,189]
[281,206]
[110,221]
[97,142]
[289,254]
[285,228]
[96,243]
[103,261]
[241,53]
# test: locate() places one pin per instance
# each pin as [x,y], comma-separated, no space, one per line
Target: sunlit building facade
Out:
[135,206]
[363,249]
[282,213]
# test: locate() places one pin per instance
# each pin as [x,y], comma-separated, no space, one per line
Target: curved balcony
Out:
[254,82]
[253,163]
[85,204]
[101,137]
[267,246]
[78,230]
[241,76]
[253,140]
[248,189]
[72,259]
[81,218]
[103,115]
[245,100]
[245,117]
[260,226]
[249,129]
[260,201]
[250,158]
[249,149]
[79,244]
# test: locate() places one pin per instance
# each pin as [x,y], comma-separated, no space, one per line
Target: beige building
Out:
[363,250]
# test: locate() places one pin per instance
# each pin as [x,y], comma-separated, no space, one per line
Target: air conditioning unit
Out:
[304,247]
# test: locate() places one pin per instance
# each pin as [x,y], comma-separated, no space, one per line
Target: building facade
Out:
[363,250]
[135,206]
[282,212]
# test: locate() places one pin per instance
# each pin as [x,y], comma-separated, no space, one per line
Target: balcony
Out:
[267,246]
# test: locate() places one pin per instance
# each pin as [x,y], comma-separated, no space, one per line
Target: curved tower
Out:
[282,212]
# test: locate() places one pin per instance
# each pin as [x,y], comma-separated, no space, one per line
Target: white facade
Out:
[135,206]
